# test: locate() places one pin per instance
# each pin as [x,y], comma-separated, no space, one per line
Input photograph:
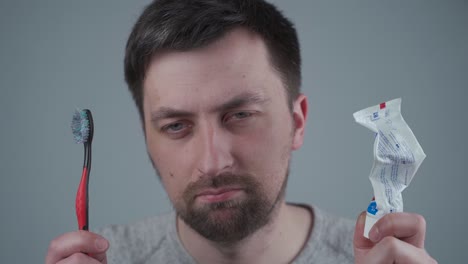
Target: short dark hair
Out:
[180,25]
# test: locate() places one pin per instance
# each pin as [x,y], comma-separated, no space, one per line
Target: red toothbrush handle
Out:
[81,203]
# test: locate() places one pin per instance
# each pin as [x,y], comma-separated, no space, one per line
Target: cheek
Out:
[270,140]
[266,151]
[171,163]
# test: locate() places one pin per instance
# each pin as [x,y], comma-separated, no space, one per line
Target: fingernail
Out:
[374,234]
[362,219]
[101,244]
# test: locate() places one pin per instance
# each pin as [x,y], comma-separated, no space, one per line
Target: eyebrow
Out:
[237,101]
[243,99]
[168,112]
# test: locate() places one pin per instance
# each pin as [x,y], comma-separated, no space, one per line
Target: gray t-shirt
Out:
[155,240]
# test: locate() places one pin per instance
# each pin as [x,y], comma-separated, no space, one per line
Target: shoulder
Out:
[337,232]
[330,241]
[141,241]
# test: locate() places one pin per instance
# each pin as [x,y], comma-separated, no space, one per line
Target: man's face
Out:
[219,132]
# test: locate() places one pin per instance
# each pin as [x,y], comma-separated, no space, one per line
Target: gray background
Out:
[56,55]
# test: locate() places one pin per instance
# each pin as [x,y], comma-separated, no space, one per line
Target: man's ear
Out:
[300,106]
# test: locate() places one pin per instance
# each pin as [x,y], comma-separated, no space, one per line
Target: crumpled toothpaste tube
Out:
[397,157]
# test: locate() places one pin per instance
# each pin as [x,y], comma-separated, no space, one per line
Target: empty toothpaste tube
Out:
[397,157]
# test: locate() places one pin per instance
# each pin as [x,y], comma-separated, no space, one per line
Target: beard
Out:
[228,221]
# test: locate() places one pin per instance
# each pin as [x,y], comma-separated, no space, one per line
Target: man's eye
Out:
[174,127]
[237,116]
[241,115]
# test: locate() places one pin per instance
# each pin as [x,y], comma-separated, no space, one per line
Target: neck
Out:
[280,241]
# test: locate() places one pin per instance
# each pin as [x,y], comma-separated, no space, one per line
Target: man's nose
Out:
[214,151]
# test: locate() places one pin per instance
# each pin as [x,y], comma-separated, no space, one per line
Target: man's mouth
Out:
[218,195]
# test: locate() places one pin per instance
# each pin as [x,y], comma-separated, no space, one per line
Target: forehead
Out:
[236,63]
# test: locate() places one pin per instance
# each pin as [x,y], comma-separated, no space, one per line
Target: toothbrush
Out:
[83,129]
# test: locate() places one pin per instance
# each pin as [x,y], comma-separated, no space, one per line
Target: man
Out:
[216,83]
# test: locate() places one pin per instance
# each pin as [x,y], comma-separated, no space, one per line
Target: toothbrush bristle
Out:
[80,126]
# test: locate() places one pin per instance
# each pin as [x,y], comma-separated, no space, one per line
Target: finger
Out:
[361,244]
[101,257]
[359,240]
[392,250]
[76,242]
[79,258]
[408,227]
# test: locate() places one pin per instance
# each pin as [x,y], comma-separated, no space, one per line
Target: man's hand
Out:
[395,238]
[77,247]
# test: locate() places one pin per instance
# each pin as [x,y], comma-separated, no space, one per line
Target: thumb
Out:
[361,244]
[101,246]
[80,241]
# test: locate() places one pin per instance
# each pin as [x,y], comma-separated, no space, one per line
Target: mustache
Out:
[245,181]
